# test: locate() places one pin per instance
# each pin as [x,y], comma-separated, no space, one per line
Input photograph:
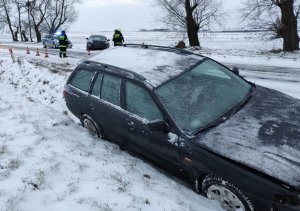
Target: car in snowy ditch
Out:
[235,142]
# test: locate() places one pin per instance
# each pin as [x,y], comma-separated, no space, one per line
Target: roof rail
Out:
[185,51]
[117,69]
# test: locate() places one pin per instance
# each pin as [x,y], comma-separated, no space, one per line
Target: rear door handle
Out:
[92,106]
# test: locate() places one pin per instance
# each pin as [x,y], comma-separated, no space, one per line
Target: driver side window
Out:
[140,103]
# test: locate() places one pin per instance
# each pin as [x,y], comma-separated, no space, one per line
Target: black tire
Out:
[44,45]
[229,196]
[92,127]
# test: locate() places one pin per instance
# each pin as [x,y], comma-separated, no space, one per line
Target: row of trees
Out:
[39,16]
[280,17]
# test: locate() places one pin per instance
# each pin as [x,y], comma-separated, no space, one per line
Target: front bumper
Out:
[281,207]
[291,203]
[92,46]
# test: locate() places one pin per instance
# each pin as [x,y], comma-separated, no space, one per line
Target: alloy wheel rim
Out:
[227,199]
[90,126]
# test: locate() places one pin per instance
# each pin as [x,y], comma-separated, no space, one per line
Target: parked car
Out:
[235,142]
[51,41]
[97,42]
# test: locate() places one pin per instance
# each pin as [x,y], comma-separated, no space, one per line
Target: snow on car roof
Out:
[155,64]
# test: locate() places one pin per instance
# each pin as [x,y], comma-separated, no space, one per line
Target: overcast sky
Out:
[131,15]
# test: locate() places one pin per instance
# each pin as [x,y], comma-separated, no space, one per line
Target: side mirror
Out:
[108,39]
[87,38]
[235,70]
[158,126]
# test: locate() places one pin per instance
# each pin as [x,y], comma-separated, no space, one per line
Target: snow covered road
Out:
[282,76]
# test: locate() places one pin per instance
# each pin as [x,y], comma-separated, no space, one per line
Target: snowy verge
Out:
[49,162]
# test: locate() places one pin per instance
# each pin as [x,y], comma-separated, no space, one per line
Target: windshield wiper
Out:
[213,124]
[243,102]
[231,112]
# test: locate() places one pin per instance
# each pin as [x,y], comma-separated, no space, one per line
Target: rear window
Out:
[82,80]
[110,90]
[97,85]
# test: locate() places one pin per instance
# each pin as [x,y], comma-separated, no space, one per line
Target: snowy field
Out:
[49,162]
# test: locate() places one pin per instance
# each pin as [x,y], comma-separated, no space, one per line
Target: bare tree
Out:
[6,10]
[20,9]
[60,13]
[190,15]
[278,16]
[38,12]
[42,16]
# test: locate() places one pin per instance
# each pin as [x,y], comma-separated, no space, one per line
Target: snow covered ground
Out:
[49,162]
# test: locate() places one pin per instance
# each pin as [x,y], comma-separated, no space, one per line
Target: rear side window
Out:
[140,102]
[97,85]
[82,80]
[110,90]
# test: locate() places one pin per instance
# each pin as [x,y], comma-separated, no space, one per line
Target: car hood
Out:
[264,134]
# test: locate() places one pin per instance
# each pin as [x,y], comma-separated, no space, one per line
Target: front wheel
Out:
[227,195]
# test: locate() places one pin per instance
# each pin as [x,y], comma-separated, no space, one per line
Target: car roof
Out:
[155,64]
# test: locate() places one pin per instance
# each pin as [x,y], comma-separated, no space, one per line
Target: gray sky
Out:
[131,15]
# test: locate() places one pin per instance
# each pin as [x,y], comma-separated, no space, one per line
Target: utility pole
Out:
[28,4]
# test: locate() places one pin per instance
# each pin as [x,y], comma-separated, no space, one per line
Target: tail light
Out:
[65,93]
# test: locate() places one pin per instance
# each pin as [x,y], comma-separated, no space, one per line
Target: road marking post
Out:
[37,52]
[46,54]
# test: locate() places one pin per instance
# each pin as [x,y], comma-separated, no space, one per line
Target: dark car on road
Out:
[97,42]
[51,41]
[235,142]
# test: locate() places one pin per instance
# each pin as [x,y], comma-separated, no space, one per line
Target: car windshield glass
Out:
[202,95]
[98,38]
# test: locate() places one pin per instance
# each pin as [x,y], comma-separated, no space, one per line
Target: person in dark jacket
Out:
[118,38]
[63,44]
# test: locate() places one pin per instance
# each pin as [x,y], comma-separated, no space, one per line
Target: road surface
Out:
[284,79]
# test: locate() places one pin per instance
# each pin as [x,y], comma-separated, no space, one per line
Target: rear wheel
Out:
[89,124]
[44,45]
[227,195]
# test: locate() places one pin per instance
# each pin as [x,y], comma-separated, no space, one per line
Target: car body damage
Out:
[264,134]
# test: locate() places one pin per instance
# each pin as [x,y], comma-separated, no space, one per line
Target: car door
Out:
[50,41]
[46,40]
[158,146]
[104,106]
[77,91]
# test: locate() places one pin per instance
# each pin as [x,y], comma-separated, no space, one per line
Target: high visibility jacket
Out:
[63,41]
[118,38]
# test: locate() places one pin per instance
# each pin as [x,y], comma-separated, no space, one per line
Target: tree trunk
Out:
[289,22]
[16,34]
[192,27]
[9,22]
[37,34]
[19,20]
